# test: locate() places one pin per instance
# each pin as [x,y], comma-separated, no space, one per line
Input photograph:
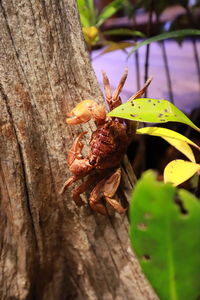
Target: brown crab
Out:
[107,148]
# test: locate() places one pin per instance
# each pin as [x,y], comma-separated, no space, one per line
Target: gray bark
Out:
[51,249]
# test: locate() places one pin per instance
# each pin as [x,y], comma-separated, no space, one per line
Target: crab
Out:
[107,147]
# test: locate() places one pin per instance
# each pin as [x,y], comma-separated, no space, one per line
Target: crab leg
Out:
[91,180]
[67,183]
[142,91]
[132,126]
[110,187]
[106,84]
[106,188]
[113,100]
[95,197]
[76,162]
[81,189]
[76,148]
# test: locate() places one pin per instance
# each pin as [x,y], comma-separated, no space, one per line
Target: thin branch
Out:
[149,26]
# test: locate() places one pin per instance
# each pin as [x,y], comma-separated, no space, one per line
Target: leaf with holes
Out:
[152,111]
[165,236]
[178,171]
[179,141]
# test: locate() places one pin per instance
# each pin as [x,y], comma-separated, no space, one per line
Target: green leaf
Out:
[166,239]
[92,11]
[124,31]
[90,4]
[85,21]
[178,171]
[164,36]
[87,12]
[108,11]
[84,13]
[152,111]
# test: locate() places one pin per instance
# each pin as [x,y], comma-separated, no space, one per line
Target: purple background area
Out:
[182,67]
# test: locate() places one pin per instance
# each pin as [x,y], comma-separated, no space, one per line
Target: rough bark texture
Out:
[50,249]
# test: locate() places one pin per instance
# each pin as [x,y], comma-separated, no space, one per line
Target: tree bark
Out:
[50,249]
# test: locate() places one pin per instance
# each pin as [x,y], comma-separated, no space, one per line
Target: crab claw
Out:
[86,110]
[75,150]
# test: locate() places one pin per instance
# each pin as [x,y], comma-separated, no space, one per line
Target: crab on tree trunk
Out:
[107,147]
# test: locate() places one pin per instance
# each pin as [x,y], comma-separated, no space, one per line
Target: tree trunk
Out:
[51,249]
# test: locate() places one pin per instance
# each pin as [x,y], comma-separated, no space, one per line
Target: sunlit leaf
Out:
[85,14]
[152,111]
[178,171]
[108,11]
[85,21]
[91,34]
[183,147]
[164,36]
[165,132]
[165,237]
[124,31]
[174,138]
[92,11]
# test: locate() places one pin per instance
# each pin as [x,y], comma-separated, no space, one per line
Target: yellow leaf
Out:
[112,46]
[164,132]
[91,34]
[179,141]
[182,147]
[178,171]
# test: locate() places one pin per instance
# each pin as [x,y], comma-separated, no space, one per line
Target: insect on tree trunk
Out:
[50,249]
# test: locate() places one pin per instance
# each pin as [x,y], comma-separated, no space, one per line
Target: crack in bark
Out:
[13,43]
[41,50]
[27,53]
[5,98]
[98,261]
